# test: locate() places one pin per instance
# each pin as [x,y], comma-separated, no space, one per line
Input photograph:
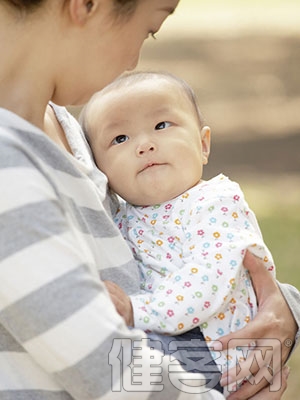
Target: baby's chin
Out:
[154,200]
[160,197]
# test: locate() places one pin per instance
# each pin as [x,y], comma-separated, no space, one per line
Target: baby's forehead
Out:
[137,82]
[129,96]
[164,88]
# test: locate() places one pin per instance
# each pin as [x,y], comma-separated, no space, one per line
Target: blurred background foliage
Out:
[242,57]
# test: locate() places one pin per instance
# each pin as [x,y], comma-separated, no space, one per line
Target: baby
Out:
[189,235]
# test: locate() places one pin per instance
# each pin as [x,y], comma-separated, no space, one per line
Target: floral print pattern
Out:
[190,252]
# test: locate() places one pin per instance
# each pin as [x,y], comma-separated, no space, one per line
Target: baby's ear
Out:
[205,140]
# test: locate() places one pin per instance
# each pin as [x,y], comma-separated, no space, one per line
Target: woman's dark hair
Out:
[122,7]
[25,5]
[125,7]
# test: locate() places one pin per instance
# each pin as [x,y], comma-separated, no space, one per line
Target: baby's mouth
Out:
[151,165]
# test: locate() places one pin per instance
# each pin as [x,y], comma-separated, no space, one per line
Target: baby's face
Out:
[147,140]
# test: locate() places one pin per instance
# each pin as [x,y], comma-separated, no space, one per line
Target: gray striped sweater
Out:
[57,323]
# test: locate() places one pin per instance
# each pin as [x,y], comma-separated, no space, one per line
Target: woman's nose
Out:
[145,148]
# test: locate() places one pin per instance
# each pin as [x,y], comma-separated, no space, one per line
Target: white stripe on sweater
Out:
[73,339]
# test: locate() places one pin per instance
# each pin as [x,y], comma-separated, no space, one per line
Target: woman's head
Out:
[79,46]
[119,37]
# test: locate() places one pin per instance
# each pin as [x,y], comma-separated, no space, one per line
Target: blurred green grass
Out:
[281,232]
[278,212]
[277,207]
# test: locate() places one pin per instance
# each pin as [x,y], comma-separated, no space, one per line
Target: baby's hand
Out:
[121,301]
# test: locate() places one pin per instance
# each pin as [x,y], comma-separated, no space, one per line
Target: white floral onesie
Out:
[190,252]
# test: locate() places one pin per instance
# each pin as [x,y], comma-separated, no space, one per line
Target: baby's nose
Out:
[145,148]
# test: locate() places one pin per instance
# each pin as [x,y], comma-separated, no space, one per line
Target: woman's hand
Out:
[121,301]
[274,320]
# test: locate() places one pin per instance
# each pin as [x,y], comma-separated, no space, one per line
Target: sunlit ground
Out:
[231,17]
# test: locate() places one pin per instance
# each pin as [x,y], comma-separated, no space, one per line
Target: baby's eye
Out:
[162,125]
[120,139]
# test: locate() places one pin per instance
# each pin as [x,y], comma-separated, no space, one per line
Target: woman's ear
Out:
[205,140]
[82,10]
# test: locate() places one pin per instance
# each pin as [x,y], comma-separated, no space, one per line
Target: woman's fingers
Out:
[265,389]
[280,381]
[256,371]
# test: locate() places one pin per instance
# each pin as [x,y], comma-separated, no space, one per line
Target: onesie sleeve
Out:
[219,227]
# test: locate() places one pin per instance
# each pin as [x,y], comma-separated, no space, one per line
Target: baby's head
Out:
[148,136]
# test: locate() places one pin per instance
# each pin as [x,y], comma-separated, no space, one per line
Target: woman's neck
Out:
[27,77]
[27,68]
